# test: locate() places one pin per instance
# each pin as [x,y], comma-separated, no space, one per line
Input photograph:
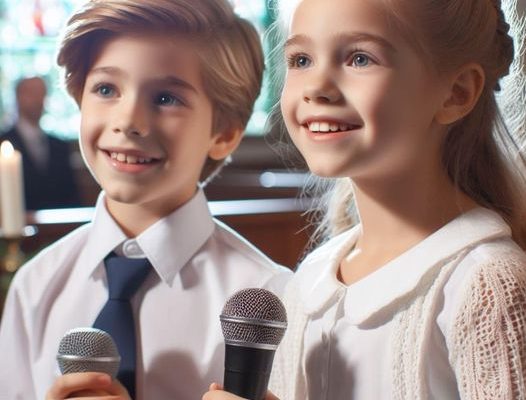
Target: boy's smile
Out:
[130,161]
[146,127]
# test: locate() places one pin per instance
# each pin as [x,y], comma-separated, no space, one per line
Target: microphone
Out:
[253,323]
[88,350]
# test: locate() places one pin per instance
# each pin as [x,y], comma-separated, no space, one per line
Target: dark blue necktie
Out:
[125,276]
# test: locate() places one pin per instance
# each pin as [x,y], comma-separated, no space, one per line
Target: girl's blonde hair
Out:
[480,154]
[232,60]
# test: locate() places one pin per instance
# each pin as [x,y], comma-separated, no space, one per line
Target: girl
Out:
[424,298]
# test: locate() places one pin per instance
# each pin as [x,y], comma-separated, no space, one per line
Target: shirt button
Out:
[131,248]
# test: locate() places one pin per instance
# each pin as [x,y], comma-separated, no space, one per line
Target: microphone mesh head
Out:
[254,318]
[88,350]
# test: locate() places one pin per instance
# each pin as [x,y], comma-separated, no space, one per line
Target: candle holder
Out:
[14,257]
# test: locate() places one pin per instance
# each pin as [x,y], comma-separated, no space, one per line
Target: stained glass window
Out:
[29,30]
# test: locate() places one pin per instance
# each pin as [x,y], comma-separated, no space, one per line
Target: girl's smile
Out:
[323,128]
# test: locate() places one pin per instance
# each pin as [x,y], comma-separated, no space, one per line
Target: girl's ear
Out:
[464,92]
[224,143]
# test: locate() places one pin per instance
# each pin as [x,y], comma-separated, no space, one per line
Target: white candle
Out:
[11,191]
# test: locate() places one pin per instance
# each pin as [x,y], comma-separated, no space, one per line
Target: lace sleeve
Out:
[488,339]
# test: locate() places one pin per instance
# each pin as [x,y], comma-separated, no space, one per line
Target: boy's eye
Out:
[360,60]
[105,90]
[166,99]
[298,61]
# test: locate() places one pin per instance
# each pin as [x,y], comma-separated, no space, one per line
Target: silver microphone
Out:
[88,350]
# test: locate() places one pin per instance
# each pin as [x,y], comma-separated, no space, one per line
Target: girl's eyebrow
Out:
[106,70]
[344,37]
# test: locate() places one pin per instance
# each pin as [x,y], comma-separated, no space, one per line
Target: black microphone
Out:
[253,323]
[88,350]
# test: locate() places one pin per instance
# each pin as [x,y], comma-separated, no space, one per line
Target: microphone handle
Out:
[247,371]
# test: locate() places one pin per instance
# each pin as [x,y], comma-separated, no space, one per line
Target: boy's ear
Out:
[224,143]
[464,91]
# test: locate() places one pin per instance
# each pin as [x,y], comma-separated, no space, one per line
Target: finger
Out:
[68,384]
[98,398]
[215,386]
[220,395]
[115,389]
[270,396]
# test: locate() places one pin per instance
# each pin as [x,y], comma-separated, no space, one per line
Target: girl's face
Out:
[358,101]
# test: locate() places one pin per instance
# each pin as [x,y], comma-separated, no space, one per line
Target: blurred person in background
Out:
[48,175]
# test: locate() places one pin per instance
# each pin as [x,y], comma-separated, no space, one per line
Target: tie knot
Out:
[125,275]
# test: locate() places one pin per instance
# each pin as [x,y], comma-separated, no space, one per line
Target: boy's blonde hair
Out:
[231,56]
[480,154]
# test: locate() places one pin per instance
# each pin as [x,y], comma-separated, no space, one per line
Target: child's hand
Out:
[93,385]
[216,393]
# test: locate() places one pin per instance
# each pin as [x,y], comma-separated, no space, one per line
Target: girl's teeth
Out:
[325,127]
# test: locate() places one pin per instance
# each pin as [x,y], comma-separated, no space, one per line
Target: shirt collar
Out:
[400,277]
[169,243]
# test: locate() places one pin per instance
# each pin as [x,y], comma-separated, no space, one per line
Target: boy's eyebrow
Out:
[347,37]
[175,81]
[166,80]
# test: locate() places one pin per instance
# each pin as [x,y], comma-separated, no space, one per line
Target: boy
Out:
[165,89]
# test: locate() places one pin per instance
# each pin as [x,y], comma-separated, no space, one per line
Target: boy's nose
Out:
[321,88]
[131,118]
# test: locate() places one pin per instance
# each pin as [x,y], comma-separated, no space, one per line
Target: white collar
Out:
[169,243]
[398,278]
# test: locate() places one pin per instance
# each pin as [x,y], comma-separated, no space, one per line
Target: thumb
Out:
[215,386]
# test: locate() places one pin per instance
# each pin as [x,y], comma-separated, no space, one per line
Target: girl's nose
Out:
[131,118]
[322,89]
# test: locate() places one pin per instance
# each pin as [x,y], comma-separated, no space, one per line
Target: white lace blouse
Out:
[445,320]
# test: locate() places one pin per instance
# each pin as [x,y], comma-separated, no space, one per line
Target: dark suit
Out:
[51,187]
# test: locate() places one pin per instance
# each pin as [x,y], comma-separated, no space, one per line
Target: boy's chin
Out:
[122,197]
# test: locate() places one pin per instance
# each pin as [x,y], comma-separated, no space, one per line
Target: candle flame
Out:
[6,149]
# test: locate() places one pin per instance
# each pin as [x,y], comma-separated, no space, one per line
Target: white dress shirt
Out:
[410,330]
[198,263]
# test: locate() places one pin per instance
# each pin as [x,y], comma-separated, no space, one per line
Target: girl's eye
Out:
[360,60]
[105,90]
[298,61]
[167,99]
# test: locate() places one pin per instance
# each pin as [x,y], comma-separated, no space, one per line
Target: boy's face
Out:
[146,122]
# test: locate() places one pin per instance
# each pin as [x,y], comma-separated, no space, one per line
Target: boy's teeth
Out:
[325,127]
[129,159]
